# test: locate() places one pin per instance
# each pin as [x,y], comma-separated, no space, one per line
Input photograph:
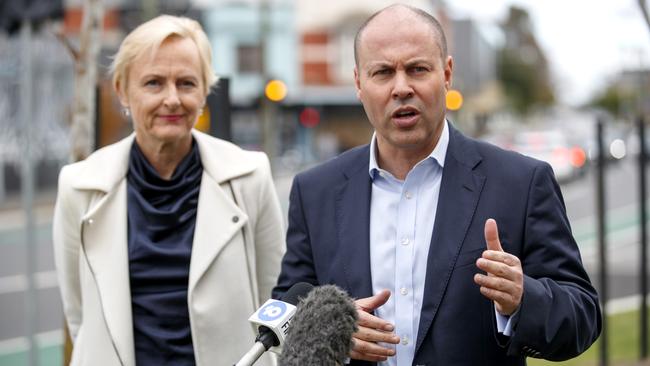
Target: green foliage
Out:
[522,67]
[623,340]
[614,100]
[521,83]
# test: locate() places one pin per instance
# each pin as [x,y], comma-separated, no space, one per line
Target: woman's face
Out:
[164,93]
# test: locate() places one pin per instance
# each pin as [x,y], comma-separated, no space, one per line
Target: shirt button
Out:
[408,195]
[404,291]
[404,241]
[235,219]
[405,340]
[90,221]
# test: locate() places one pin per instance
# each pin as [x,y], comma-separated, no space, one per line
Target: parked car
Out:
[553,146]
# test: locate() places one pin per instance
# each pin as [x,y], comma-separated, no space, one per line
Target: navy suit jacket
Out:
[559,317]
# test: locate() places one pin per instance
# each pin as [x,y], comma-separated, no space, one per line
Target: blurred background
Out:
[530,76]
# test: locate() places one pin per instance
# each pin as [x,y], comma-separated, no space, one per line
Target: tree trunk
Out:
[83,110]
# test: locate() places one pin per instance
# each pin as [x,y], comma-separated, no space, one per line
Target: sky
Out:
[588,42]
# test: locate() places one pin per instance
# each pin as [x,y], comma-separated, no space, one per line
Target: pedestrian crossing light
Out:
[454,100]
[275,90]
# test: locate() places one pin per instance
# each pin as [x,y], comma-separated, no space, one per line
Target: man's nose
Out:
[402,88]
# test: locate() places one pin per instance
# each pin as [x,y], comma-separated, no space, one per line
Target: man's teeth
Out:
[406,113]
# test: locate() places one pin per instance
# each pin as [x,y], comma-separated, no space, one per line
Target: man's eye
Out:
[382,72]
[152,82]
[419,69]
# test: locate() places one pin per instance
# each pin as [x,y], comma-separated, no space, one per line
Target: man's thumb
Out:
[492,235]
[369,304]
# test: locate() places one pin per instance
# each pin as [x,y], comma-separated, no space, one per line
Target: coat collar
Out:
[104,169]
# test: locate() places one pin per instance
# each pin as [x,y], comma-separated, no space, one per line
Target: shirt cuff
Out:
[505,323]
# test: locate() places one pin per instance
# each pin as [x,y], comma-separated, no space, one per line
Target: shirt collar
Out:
[438,154]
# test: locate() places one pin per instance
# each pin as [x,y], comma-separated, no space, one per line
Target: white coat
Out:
[237,248]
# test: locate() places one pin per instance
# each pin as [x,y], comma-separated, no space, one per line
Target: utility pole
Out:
[27,185]
[268,109]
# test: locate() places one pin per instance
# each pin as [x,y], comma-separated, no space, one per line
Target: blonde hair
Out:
[150,35]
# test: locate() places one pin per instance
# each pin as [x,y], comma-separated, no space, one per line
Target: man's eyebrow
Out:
[377,64]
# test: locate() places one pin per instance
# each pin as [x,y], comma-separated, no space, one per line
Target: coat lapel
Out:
[353,223]
[459,194]
[218,219]
[104,233]
[104,240]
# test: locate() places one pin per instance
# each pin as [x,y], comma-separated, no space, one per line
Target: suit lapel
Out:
[353,222]
[459,194]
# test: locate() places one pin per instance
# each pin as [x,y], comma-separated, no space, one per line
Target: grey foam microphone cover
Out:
[321,330]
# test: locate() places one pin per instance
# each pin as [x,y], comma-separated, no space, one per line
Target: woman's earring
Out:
[126,112]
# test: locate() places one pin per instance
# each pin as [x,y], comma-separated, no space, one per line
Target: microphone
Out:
[321,331]
[272,320]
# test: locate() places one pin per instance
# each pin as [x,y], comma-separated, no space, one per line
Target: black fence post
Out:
[643,268]
[600,203]
[218,102]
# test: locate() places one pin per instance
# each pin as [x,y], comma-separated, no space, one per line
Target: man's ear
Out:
[357,83]
[449,68]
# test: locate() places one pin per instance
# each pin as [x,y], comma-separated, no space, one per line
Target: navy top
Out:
[161,221]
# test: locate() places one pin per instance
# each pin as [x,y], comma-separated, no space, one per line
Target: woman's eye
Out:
[188,84]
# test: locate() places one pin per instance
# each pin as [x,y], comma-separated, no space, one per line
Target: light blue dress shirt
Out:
[402,215]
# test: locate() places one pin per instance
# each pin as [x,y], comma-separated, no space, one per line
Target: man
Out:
[408,224]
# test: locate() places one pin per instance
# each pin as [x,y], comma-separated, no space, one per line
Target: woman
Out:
[168,240]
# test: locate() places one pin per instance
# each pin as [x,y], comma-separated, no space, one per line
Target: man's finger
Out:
[495,268]
[369,351]
[373,322]
[492,235]
[374,335]
[369,304]
[502,257]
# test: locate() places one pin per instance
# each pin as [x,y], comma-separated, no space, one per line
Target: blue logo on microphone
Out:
[272,311]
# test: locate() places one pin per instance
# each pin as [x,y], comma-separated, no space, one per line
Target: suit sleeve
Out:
[559,316]
[298,263]
[66,237]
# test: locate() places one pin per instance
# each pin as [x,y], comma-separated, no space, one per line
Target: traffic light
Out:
[275,90]
[309,117]
[454,100]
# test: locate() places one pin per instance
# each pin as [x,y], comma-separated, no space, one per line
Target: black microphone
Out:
[321,330]
[273,319]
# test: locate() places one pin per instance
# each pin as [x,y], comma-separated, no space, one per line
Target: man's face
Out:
[402,82]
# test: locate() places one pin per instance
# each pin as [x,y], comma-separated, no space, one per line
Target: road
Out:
[622,207]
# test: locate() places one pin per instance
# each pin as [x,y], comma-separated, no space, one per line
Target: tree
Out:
[522,66]
[83,109]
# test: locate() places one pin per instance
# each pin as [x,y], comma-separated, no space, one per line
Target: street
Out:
[623,254]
